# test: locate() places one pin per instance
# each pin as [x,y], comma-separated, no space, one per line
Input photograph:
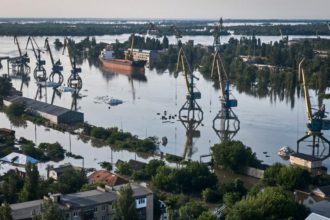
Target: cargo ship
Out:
[110,62]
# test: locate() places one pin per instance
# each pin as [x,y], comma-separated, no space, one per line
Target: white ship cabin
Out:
[107,53]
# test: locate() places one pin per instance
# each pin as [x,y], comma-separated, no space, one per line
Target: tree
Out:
[31,183]
[192,210]
[16,109]
[5,212]
[234,155]
[289,177]
[49,211]
[124,168]
[5,86]
[272,203]
[125,207]
[207,216]
[71,181]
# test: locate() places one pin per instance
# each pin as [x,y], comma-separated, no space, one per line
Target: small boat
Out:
[115,102]
[285,151]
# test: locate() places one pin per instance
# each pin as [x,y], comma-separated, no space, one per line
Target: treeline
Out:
[96,29]
[274,30]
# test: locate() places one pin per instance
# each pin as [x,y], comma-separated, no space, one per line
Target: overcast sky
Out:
[183,9]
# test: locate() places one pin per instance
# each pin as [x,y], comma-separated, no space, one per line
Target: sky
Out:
[168,9]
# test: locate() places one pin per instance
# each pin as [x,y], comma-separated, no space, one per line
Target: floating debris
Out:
[108,100]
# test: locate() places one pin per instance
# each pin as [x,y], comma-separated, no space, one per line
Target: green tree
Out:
[192,210]
[125,205]
[49,211]
[31,183]
[234,155]
[207,216]
[5,212]
[289,177]
[124,168]
[271,203]
[5,86]
[16,109]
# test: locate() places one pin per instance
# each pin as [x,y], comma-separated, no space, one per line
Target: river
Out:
[265,125]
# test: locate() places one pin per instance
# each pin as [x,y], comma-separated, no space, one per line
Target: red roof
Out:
[103,176]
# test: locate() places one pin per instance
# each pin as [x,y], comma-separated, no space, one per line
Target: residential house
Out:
[107,177]
[89,205]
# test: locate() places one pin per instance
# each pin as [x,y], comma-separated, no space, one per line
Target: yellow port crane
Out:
[316,121]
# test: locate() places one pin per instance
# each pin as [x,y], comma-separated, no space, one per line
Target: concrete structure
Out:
[55,173]
[314,216]
[106,177]
[145,55]
[317,205]
[305,161]
[94,204]
[322,191]
[53,113]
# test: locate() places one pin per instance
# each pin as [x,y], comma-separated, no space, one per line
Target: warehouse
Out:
[53,113]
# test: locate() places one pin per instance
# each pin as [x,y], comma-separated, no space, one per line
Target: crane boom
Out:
[31,42]
[183,65]
[19,48]
[49,50]
[302,79]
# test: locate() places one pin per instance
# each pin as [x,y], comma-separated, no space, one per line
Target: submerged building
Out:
[53,113]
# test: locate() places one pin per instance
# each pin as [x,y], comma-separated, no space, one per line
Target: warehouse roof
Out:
[38,106]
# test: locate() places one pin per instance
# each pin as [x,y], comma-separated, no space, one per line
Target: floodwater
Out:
[265,125]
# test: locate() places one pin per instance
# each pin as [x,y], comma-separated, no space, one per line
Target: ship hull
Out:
[121,64]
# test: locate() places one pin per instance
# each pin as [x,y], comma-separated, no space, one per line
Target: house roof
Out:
[75,201]
[19,159]
[314,216]
[65,167]
[107,177]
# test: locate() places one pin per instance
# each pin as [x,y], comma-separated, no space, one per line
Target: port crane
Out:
[316,122]
[190,111]
[129,54]
[74,80]
[39,72]
[226,118]
[154,30]
[177,33]
[19,64]
[190,114]
[57,67]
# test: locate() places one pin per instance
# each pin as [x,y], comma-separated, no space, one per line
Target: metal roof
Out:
[39,106]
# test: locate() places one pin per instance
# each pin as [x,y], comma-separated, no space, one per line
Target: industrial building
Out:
[53,113]
[145,55]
